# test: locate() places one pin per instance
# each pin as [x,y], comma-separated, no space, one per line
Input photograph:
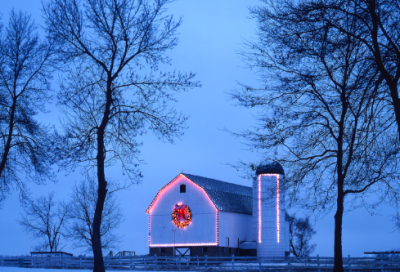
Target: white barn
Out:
[193,215]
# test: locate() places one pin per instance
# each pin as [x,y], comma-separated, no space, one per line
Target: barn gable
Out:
[201,230]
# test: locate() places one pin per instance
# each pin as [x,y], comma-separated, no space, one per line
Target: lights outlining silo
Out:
[277,210]
[269,210]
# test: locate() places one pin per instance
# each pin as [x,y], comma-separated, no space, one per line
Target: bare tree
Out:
[376,25]
[82,206]
[325,114]
[300,234]
[46,218]
[114,91]
[25,73]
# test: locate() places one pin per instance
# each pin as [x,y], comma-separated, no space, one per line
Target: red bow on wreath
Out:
[180,209]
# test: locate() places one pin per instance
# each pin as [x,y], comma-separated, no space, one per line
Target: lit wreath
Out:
[181,212]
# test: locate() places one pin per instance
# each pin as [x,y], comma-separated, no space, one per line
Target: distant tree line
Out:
[50,220]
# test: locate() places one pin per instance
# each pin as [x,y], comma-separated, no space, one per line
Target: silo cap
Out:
[272,167]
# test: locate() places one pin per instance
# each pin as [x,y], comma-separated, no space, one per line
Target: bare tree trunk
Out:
[50,243]
[7,146]
[396,103]
[97,253]
[338,254]
[102,189]
[101,196]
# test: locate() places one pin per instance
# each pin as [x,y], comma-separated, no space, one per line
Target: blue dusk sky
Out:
[210,37]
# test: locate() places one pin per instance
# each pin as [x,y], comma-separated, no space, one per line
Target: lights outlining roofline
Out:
[188,244]
[163,189]
[277,206]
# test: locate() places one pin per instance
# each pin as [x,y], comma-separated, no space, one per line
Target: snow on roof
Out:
[228,197]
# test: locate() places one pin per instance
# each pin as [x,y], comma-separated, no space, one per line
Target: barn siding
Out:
[234,226]
[203,226]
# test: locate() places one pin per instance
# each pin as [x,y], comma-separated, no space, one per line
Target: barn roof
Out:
[271,167]
[226,196]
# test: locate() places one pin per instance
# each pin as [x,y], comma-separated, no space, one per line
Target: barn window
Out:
[162,250]
[183,188]
[204,249]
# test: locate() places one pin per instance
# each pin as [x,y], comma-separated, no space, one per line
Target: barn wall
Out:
[234,226]
[203,226]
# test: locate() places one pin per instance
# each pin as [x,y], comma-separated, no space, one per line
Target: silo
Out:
[269,210]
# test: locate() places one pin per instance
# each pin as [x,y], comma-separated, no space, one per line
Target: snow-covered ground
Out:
[18,269]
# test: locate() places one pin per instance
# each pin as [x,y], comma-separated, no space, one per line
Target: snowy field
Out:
[18,269]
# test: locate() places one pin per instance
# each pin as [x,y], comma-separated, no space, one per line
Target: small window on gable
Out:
[183,188]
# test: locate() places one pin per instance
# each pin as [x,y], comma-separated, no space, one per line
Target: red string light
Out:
[277,206]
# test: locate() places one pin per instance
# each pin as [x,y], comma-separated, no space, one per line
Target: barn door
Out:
[182,251]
